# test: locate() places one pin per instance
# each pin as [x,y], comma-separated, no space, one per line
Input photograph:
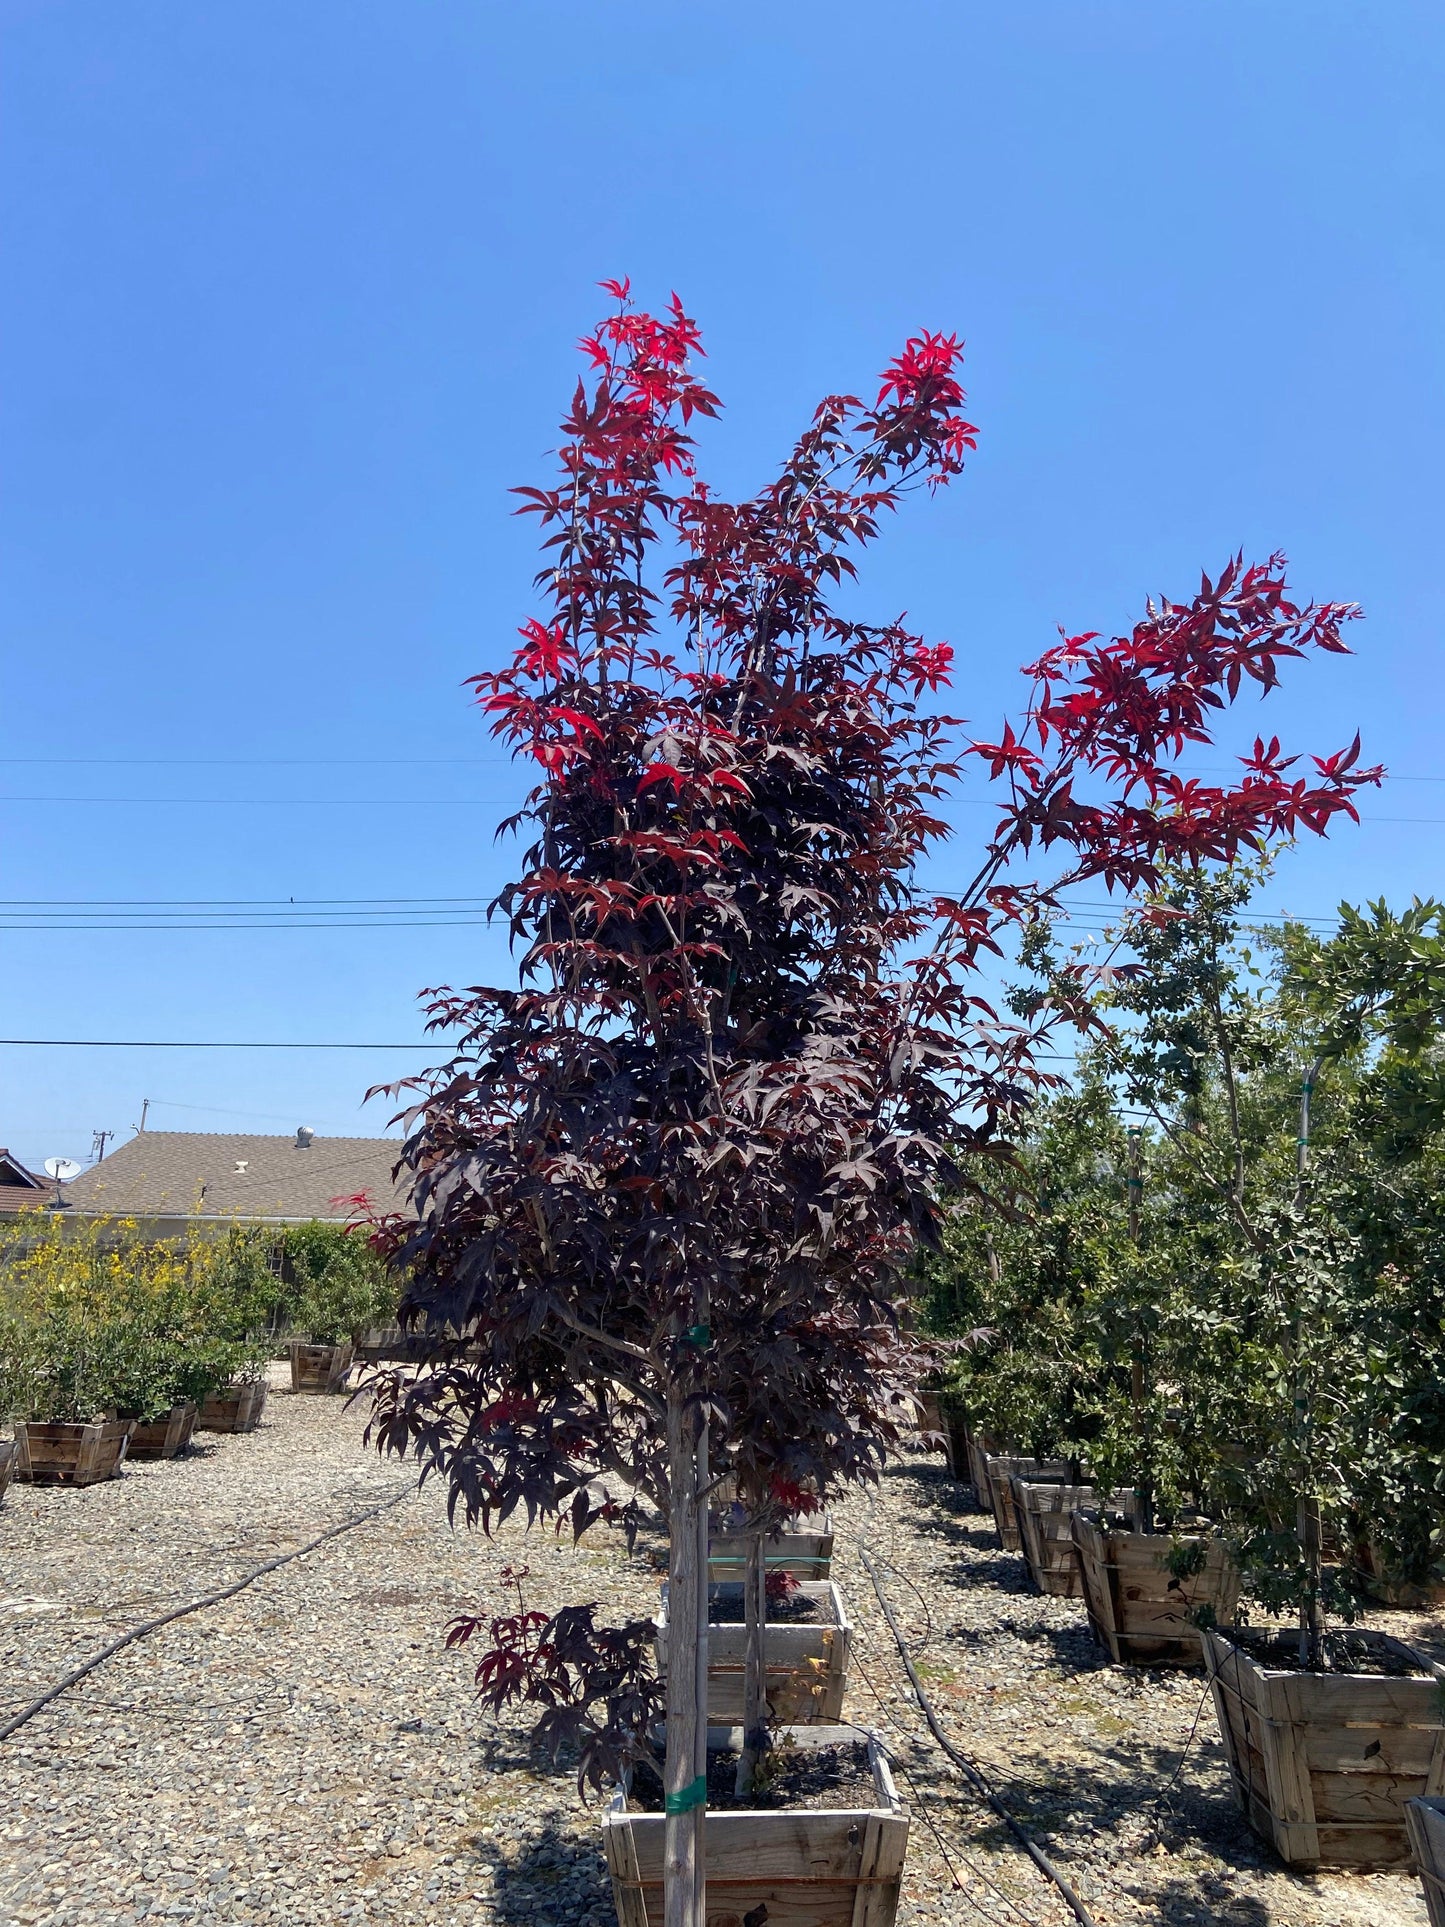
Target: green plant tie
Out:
[699,1335]
[692,1795]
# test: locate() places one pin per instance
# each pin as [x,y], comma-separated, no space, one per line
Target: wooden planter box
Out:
[7,1465]
[981,1447]
[788,1866]
[805,1661]
[803,1548]
[930,1415]
[958,1442]
[1389,1588]
[389,1344]
[236,1409]
[999,1472]
[1044,1512]
[1138,1611]
[162,1438]
[1425,1825]
[319,1368]
[71,1454]
[1323,1763]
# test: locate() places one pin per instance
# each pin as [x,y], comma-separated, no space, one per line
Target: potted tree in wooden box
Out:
[342,1288]
[171,1349]
[854,1853]
[68,1344]
[1326,1732]
[666,1193]
[1011,1289]
[244,1292]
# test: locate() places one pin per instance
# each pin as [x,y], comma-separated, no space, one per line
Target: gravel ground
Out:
[1080,1750]
[307,1752]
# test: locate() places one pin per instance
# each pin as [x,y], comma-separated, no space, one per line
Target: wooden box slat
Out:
[1044,1513]
[237,1408]
[71,1454]
[981,1447]
[1138,1610]
[804,1549]
[808,1866]
[805,1662]
[8,1455]
[1323,1764]
[319,1368]
[999,1470]
[163,1438]
[1425,1827]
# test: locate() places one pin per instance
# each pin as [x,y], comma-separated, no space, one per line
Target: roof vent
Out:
[304,1135]
[241,1164]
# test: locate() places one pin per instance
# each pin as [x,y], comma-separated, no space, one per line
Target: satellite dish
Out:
[62,1169]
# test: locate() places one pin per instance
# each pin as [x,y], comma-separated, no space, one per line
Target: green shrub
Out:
[341,1286]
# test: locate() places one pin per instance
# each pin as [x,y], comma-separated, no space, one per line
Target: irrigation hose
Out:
[972,1774]
[17,1720]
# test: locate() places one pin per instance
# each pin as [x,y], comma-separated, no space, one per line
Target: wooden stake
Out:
[682,1874]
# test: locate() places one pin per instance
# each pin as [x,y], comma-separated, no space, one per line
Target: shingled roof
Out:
[20,1189]
[206,1174]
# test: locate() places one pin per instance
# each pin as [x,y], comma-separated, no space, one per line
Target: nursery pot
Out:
[236,1408]
[802,1546]
[805,1660]
[1138,1610]
[162,1438]
[319,1368]
[65,1454]
[998,1472]
[1044,1512]
[1425,1824]
[793,1866]
[1323,1763]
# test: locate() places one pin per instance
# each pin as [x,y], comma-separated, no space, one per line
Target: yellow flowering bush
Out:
[96,1319]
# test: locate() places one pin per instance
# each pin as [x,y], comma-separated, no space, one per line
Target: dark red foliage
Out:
[781,1587]
[693,1153]
[595,1684]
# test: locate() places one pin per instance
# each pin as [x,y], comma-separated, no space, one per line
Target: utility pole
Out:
[98,1142]
[145,1105]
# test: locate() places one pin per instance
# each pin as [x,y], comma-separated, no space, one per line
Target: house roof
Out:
[206,1174]
[20,1189]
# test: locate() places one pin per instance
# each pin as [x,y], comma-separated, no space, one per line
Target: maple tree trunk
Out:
[755,1704]
[684,1878]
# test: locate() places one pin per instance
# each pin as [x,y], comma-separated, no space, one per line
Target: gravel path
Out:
[307,1752]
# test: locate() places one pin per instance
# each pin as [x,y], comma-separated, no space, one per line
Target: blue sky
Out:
[289,302]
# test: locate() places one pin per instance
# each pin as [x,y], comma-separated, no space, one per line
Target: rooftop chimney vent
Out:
[304,1135]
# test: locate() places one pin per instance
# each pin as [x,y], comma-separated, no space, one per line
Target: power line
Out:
[283,802]
[384,757]
[214,903]
[442,923]
[249,762]
[172,1043]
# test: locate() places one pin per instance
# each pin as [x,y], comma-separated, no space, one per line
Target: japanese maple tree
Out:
[667,1187]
